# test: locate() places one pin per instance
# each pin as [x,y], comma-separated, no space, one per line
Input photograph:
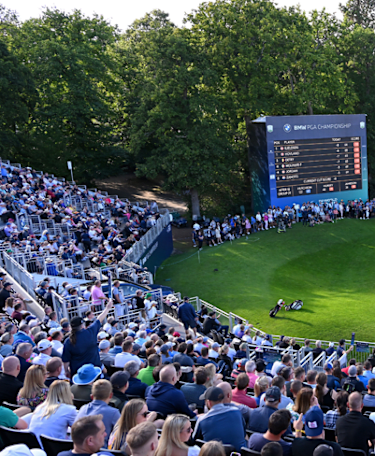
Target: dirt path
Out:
[136,189]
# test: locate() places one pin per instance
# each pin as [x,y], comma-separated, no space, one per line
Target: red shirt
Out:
[242,398]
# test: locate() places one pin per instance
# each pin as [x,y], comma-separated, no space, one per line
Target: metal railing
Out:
[19,273]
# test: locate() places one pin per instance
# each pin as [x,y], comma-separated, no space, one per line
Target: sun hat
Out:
[22,450]
[86,374]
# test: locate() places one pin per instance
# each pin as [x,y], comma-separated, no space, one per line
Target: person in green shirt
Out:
[145,375]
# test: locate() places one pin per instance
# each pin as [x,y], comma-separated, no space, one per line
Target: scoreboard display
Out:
[309,158]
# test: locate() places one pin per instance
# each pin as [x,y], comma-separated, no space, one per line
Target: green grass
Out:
[330,267]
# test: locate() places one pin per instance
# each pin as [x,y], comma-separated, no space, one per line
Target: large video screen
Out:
[314,158]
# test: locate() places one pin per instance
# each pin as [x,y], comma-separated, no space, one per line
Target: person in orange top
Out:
[239,393]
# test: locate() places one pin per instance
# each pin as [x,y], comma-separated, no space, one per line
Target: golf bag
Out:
[281,228]
[273,312]
[295,305]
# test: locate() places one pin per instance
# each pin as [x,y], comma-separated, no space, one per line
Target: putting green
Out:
[330,267]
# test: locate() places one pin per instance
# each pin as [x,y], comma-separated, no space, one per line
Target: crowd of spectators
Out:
[215,232]
[143,390]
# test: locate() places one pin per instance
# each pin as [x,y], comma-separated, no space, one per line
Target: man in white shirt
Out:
[214,351]
[118,300]
[45,350]
[126,355]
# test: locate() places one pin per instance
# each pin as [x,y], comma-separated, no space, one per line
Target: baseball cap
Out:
[273,394]
[314,422]
[205,339]
[75,322]
[213,393]
[242,362]
[54,330]
[215,345]
[102,335]
[44,344]
[6,284]
[352,371]
[104,344]
[328,366]
[119,379]
[164,348]
[132,325]
[65,325]
[323,450]
[136,347]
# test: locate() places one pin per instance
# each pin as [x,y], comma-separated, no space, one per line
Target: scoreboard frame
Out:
[266,130]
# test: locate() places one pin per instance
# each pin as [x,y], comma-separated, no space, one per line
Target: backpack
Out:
[348,387]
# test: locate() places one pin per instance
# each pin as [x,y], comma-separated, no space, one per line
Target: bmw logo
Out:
[287,128]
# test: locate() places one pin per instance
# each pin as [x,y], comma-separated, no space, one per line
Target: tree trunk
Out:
[195,209]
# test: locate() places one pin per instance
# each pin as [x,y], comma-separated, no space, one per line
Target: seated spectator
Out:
[224,423]
[355,430]
[332,381]
[260,387]
[318,349]
[56,340]
[136,387]
[260,368]
[351,383]
[280,383]
[352,362]
[164,398]
[239,393]
[212,377]
[278,424]
[240,368]
[9,383]
[54,367]
[360,375]
[102,394]
[56,414]
[295,388]
[145,374]
[322,392]
[23,334]
[193,391]
[23,353]
[34,391]
[185,361]
[367,370]
[126,355]
[214,351]
[83,381]
[259,417]
[143,440]
[369,398]
[314,431]
[250,368]
[10,419]
[304,401]
[242,353]
[88,434]
[341,409]
[203,359]
[176,432]
[45,350]
[6,348]
[133,413]
[106,359]
[212,448]
[310,379]
[224,359]
[120,383]
[286,361]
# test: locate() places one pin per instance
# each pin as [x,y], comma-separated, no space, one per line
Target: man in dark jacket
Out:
[187,315]
[164,398]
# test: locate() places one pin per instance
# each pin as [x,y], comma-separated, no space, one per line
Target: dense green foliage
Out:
[176,102]
[329,267]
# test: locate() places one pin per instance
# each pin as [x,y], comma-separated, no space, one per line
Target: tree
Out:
[68,57]
[360,12]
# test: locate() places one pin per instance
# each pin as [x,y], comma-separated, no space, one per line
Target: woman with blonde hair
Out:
[212,377]
[304,401]
[34,391]
[134,412]
[260,386]
[176,432]
[56,414]
[212,448]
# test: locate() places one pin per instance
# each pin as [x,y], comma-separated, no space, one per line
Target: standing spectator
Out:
[222,422]
[314,430]
[341,349]
[97,295]
[278,424]
[34,391]
[239,393]
[187,315]
[88,435]
[80,348]
[185,361]
[9,383]
[355,430]
[118,299]
[102,394]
